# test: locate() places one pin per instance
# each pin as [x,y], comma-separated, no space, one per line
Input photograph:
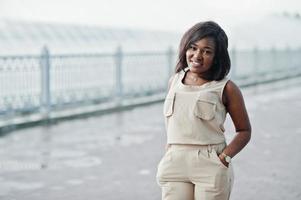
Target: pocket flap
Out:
[205,109]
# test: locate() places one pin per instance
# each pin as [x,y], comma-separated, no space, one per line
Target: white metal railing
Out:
[46,82]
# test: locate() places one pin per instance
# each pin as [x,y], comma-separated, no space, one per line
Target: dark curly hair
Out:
[221,62]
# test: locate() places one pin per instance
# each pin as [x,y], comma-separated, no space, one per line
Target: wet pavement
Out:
[115,156]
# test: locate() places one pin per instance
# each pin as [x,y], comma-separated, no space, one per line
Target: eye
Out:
[208,52]
[192,47]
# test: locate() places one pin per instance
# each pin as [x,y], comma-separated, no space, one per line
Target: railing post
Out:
[170,62]
[287,58]
[255,67]
[298,57]
[233,72]
[273,59]
[118,75]
[45,100]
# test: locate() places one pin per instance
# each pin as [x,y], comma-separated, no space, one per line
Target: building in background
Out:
[279,31]
[21,37]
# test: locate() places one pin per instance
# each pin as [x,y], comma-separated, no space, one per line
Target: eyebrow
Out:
[206,47]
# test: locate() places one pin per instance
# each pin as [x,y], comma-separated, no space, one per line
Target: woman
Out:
[197,162]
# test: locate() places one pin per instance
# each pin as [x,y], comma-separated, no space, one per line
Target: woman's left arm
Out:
[234,102]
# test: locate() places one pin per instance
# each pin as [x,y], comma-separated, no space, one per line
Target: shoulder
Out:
[231,93]
[172,79]
[231,86]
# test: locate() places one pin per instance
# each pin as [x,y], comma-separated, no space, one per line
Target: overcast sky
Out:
[170,15]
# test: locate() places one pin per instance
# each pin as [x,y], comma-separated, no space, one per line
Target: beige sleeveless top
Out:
[194,114]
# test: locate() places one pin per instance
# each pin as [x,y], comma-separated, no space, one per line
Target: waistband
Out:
[218,147]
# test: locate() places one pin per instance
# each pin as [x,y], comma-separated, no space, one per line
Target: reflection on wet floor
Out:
[68,144]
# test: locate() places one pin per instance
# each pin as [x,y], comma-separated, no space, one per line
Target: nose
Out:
[198,54]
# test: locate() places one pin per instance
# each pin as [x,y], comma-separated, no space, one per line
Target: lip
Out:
[195,64]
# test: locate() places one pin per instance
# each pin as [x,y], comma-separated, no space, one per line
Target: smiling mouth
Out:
[195,64]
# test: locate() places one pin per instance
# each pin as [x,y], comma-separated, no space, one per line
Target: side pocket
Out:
[215,156]
[164,157]
[205,109]
[169,105]
[164,162]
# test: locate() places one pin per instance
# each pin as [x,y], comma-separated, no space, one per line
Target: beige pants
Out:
[194,172]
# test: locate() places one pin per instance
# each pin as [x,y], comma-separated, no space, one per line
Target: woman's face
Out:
[200,55]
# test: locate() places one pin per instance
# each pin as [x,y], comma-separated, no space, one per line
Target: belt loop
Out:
[209,150]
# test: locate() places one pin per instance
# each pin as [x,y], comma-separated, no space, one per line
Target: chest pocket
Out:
[168,107]
[205,109]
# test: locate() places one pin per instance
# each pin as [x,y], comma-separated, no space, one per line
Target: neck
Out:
[203,77]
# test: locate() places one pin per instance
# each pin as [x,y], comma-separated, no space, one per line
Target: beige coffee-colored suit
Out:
[194,118]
